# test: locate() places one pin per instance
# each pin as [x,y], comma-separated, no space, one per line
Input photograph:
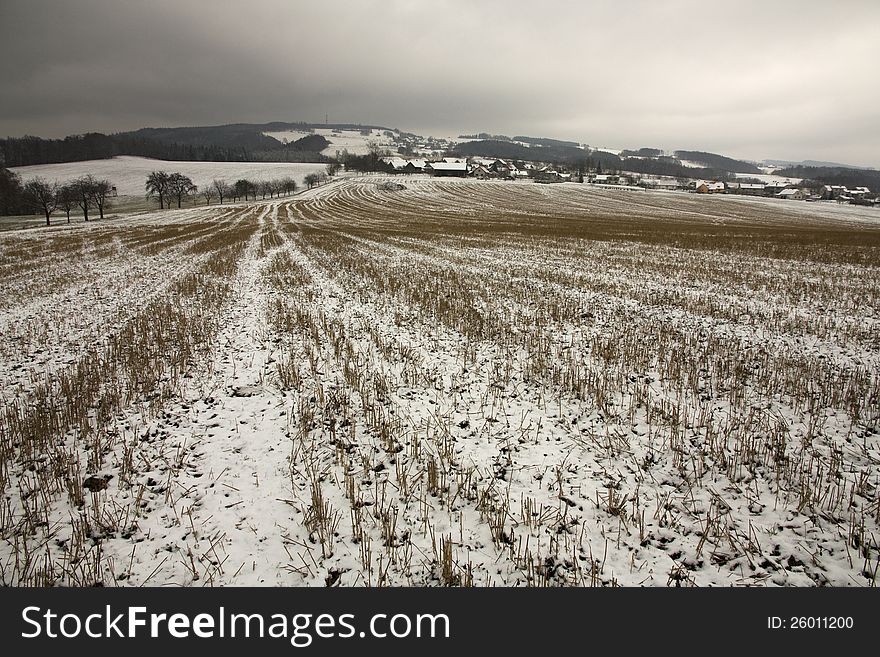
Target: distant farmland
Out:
[129,173]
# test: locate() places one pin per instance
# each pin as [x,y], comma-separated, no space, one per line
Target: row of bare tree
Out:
[84,193]
[88,193]
[168,187]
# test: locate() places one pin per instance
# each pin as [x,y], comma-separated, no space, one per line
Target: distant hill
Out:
[311,143]
[247,142]
[575,157]
[715,161]
[835,176]
[233,136]
[814,163]
[545,141]
[513,151]
[236,142]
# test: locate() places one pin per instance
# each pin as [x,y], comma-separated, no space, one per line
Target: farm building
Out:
[551,176]
[440,169]
[706,187]
[398,163]
[792,194]
[773,188]
[503,169]
[414,166]
[480,172]
[659,183]
[833,191]
[751,189]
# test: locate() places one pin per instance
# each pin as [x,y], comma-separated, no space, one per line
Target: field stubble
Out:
[457,383]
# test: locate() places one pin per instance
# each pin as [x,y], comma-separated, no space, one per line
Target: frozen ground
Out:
[129,173]
[458,383]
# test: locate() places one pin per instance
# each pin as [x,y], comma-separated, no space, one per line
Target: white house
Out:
[792,194]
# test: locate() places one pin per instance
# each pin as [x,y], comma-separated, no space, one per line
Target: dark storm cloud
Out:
[751,79]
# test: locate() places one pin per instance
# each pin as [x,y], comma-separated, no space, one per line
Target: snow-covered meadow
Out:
[456,383]
[353,141]
[129,173]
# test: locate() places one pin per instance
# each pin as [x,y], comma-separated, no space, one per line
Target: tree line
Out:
[25,151]
[41,196]
[220,144]
[88,193]
[168,187]
[834,176]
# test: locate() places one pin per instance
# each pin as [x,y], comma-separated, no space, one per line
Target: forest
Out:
[228,143]
[713,160]
[835,176]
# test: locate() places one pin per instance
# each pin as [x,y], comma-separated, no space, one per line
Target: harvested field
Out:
[452,384]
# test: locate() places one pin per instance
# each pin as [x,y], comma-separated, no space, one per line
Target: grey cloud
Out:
[750,79]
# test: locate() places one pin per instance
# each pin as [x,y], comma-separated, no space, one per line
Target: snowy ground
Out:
[458,383]
[340,140]
[129,173]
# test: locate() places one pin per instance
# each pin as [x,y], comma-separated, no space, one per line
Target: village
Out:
[480,168]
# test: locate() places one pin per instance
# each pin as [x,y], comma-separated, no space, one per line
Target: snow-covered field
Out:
[129,173]
[457,383]
[770,178]
[340,140]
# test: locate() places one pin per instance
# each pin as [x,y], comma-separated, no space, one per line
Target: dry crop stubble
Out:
[485,384]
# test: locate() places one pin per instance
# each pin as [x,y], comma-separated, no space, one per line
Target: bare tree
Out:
[83,189]
[312,179]
[66,199]
[221,188]
[332,169]
[209,193]
[100,192]
[157,186]
[180,186]
[42,196]
[288,184]
[242,188]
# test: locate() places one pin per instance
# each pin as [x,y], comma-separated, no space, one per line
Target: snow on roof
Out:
[660,182]
[448,166]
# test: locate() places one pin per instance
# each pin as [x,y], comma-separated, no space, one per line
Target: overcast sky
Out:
[782,79]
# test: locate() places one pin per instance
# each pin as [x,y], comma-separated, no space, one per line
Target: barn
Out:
[447,169]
